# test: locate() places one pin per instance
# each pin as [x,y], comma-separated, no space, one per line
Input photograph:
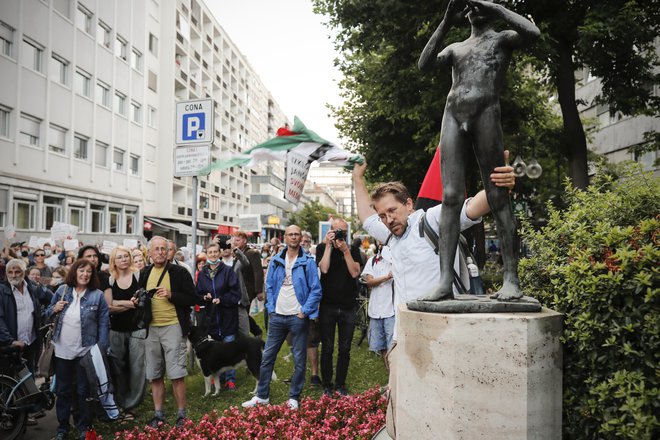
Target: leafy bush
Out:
[357,416]
[597,262]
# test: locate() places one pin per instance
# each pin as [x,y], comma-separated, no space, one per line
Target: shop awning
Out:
[181,228]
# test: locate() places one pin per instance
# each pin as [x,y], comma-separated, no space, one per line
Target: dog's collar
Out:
[199,343]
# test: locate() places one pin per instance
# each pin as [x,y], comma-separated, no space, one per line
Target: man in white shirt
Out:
[388,216]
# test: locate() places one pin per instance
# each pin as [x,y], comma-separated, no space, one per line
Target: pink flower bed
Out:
[352,417]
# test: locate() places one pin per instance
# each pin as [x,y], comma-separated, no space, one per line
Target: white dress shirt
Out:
[24,315]
[415,266]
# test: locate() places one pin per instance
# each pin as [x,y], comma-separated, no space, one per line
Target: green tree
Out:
[309,216]
[392,112]
[615,39]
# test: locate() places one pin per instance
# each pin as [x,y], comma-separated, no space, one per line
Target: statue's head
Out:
[394,205]
[479,18]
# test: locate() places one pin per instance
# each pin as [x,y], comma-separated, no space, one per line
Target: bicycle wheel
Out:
[12,423]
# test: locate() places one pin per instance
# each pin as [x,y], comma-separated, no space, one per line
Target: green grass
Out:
[366,371]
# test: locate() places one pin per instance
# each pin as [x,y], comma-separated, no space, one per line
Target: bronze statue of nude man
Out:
[471,121]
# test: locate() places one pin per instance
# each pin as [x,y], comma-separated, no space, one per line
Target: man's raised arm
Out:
[362,199]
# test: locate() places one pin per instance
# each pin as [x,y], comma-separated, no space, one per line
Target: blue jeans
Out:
[278,327]
[64,373]
[333,318]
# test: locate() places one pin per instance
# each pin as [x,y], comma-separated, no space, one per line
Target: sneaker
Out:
[156,421]
[60,436]
[327,391]
[230,385]
[31,421]
[292,404]
[315,381]
[39,414]
[342,390]
[255,401]
[180,421]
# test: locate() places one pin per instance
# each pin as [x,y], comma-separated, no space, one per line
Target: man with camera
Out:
[339,264]
[165,347]
[247,266]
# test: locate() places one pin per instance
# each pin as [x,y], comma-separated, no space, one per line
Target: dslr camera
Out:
[340,234]
[143,295]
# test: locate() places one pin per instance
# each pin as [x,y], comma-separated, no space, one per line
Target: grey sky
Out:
[289,48]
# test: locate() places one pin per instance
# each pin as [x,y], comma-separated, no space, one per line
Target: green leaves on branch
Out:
[597,262]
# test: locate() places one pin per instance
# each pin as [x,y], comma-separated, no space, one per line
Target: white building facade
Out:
[87,106]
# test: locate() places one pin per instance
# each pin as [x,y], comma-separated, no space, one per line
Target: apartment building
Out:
[87,107]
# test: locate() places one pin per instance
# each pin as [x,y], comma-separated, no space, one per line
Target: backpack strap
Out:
[433,239]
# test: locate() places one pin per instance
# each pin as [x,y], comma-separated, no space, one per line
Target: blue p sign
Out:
[193,126]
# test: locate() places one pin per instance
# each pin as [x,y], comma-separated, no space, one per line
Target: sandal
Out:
[126,416]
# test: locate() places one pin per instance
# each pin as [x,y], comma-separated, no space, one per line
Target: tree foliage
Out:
[309,216]
[597,263]
[392,112]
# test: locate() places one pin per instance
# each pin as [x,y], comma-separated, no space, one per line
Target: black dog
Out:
[216,357]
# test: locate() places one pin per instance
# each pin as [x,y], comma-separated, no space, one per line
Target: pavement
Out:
[44,429]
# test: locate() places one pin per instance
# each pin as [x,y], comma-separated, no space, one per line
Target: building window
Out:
[101,158]
[4,121]
[84,19]
[56,139]
[77,217]
[62,6]
[52,211]
[136,112]
[131,221]
[103,35]
[97,212]
[121,48]
[136,60]
[118,160]
[80,147]
[103,94]
[33,55]
[59,69]
[115,220]
[24,214]
[153,44]
[152,81]
[120,103]
[6,39]
[83,83]
[152,117]
[4,206]
[29,130]
[135,165]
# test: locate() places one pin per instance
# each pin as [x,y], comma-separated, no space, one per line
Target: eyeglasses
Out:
[293,234]
[122,257]
[39,255]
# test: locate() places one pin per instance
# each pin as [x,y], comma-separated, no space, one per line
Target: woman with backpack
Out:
[126,339]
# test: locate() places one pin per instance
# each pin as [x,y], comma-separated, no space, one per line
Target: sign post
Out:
[194,136]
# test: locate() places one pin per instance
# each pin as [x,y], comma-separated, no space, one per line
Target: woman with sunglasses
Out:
[126,340]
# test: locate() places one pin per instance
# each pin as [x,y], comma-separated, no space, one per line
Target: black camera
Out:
[224,243]
[340,234]
[143,295]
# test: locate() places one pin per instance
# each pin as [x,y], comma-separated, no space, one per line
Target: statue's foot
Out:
[509,291]
[439,294]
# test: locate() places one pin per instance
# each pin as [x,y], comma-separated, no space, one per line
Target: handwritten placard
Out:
[108,246]
[70,245]
[10,232]
[130,243]
[297,167]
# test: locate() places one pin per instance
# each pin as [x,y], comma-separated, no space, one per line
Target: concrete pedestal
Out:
[478,376]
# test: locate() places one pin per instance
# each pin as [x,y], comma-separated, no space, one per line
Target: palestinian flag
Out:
[299,140]
[430,193]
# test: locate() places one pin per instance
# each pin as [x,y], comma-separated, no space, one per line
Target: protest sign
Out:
[108,246]
[10,232]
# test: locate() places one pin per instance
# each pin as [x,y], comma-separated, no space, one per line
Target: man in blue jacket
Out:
[293,291]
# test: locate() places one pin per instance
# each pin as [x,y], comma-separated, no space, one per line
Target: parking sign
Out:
[194,122]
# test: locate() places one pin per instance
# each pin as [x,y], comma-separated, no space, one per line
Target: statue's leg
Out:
[454,145]
[489,150]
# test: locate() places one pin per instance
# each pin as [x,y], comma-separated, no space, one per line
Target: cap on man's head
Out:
[17,244]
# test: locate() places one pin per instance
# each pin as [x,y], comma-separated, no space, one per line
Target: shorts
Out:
[314,335]
[165,351]
[380,333]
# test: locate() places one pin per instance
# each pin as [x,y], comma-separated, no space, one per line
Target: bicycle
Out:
[19,395]
[362,315]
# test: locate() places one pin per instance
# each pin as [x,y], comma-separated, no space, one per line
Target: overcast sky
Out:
[288,47]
